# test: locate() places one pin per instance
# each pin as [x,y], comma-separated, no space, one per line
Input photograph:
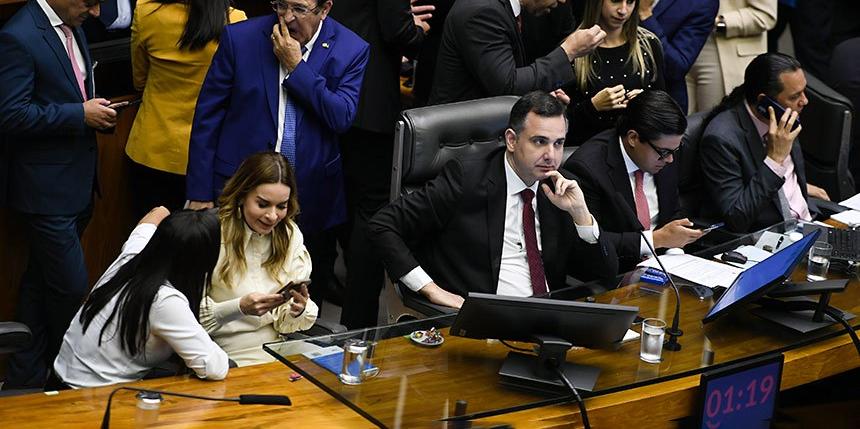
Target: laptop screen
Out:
[757,280]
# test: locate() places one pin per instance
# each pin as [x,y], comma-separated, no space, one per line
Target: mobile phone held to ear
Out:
[778,110]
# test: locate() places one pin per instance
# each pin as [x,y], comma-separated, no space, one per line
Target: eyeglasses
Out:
[664,153]
[299,11]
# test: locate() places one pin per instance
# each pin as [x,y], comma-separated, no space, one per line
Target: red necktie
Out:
[532,254]
[642,210]
[520,24]
[67,31]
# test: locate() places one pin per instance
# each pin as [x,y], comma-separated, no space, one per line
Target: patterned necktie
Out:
[532,254]
[70,50]
[643,212]
[288,141]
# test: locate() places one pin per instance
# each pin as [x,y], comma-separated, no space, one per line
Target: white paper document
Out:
[697,270]
[852,203]
[848,217]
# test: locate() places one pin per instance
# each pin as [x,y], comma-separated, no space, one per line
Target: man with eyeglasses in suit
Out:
[287,82]
[630,180]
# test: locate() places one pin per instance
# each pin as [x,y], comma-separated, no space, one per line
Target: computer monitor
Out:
[756,281]
[555,325]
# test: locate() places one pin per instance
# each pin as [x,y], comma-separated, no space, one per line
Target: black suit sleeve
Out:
[397,26]
[626,244]
[414,217]
[739,202]
[488,53]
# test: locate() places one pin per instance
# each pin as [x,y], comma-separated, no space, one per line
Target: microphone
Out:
[242,399]
[674,332]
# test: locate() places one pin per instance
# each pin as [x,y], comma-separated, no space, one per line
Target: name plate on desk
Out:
[741,395]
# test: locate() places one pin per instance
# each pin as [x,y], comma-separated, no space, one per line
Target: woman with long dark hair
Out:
[172,44]
[262,250]
[145,306]
[629,60]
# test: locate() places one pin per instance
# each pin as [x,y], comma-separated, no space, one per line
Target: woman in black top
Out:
[628,61]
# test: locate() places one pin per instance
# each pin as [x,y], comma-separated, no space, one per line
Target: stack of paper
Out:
[848,217]
[697,270]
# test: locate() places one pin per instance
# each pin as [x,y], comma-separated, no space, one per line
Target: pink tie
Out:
[67,31]
[532,254]
[642,210]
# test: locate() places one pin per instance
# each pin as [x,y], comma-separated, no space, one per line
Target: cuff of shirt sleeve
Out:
[228,311]
[777,169]
[589,234]
[416,279]
[644,250]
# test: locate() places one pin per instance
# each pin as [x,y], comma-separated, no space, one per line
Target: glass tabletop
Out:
[417,385]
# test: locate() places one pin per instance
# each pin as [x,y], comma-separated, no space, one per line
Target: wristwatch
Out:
[721,25]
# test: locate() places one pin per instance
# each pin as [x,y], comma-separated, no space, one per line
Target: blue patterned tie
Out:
[288,141]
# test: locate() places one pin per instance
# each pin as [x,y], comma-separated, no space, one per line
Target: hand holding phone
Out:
[119,106]
[713,227]
[778,110]
[298,286]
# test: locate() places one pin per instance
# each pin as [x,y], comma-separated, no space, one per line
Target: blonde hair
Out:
[259,169]
[637,37]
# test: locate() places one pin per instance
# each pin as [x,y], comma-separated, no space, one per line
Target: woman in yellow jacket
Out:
[172,44]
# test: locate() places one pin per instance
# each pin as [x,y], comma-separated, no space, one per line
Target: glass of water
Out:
[653,331]
[819,262]
[354,361]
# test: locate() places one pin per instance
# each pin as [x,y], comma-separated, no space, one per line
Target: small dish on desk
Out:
[429,338]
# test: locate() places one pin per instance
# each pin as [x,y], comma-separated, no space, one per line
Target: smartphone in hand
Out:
[296,285]
[713,227]
[119,106]
[778,110]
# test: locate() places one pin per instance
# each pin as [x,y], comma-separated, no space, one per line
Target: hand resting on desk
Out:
[440,296]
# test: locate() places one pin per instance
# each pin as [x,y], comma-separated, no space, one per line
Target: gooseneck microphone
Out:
[674,331]
[242,399]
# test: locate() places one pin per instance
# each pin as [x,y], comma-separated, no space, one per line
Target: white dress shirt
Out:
[83,362]
[56,22]
[123,15]
[282,94]
[514,279]
[650,188]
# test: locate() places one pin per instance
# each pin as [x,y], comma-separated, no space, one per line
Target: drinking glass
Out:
[819,262]
[653,331]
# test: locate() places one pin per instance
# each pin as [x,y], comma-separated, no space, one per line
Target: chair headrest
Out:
[434,135]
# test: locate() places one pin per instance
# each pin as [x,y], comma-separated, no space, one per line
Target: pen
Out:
[779,242]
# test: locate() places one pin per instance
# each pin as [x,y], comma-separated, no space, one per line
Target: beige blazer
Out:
[747,22]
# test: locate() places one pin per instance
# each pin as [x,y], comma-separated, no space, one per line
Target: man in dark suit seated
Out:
[477,227]
[630,180]
[751,162]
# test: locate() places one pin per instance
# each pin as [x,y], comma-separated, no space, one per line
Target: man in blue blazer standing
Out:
[48,157]
[287,82]
[683,27]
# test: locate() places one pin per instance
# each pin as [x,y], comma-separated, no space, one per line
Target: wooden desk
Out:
[416,387]
[84,408]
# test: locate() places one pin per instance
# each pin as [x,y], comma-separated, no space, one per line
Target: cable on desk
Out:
[579,402]
[520,349]
[838,316]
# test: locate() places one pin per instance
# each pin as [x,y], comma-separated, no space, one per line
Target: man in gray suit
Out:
[751,160]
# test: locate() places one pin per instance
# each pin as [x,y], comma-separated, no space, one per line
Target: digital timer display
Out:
[742,395]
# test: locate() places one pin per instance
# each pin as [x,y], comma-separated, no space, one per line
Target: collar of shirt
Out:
[761,127]
[515,5]
[514,183]
[628,162]
[309,47]
[52,16]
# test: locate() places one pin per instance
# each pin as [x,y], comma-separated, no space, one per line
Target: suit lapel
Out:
[799,168]
[496,189]
[754,141]
[57,47]
[666,182]
[519,48]
[620,179]
[270,69]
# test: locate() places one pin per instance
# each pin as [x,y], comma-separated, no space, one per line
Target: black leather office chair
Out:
[425,139]
[14,336]
[826,139]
